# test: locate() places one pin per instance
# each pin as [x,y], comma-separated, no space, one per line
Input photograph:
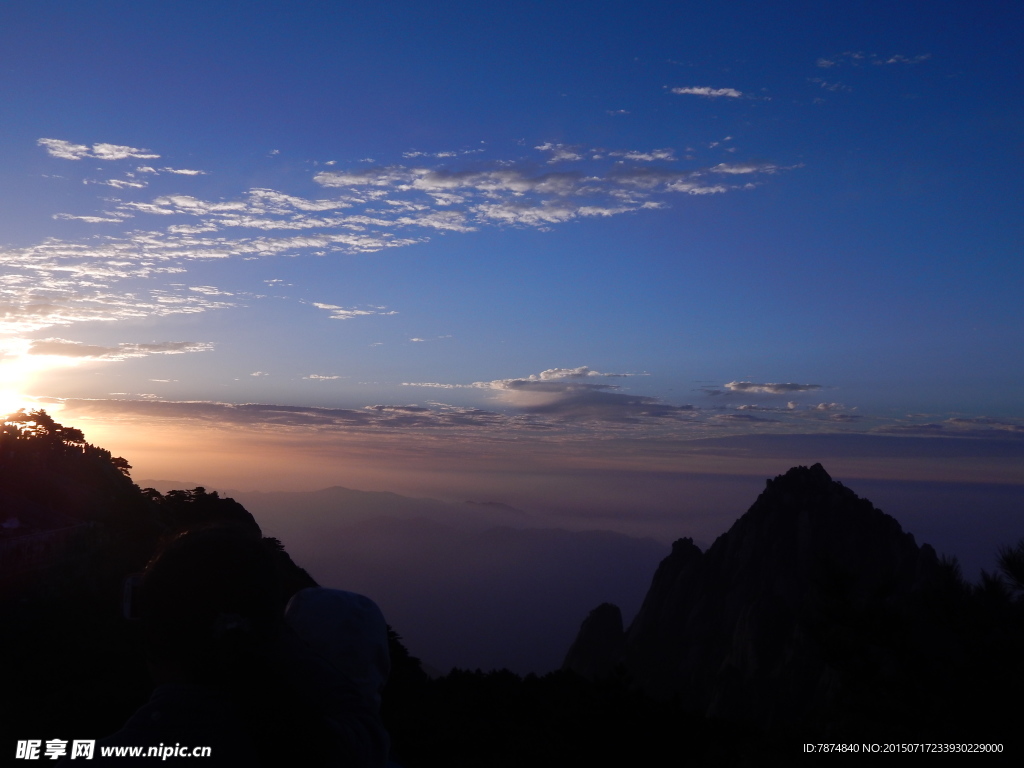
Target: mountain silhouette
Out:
[815,616]
[73,526]
[815,609]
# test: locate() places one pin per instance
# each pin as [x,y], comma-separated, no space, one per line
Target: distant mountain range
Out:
[470,585]
[475,585]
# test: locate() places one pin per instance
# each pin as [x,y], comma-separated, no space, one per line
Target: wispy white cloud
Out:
[744,168]
[860,58]
[425,429]
[974,423]
[646,157]
[434,384]
[560,152]
[845,418]
[528,213]
[109,219]
[582,372]
[957,427]
[573,152]
[770,389]
[121,183]
[58,347]
[901,59]
[827,85]
[61,283]
[708,92]
[745,418]
[341,420]
[209,290]
[67,150]
[178,171]
[573,394]
[374,177]
[347,313]
[373,204]
[440,155]
[140,272]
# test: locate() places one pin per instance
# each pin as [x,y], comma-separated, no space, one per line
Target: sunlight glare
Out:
[17,372]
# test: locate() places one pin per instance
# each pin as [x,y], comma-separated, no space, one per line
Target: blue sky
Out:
[600,233]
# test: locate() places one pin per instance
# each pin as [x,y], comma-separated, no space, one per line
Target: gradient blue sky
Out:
[396,240]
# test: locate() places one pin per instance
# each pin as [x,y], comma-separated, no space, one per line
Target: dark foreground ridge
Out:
[816,611]
[815,617]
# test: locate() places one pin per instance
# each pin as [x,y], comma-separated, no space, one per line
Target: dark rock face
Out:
[599,645]
[810,592]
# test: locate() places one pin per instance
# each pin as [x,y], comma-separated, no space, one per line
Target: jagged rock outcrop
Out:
[809,596]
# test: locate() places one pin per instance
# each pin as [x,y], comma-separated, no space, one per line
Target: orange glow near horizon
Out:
[635,487]
[270,458]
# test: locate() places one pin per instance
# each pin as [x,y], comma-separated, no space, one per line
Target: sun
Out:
[16,375]
[11,402]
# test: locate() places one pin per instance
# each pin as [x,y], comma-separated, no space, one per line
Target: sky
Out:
[521,251]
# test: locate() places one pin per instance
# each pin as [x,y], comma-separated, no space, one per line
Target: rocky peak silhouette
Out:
[600,643]
[769,623]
